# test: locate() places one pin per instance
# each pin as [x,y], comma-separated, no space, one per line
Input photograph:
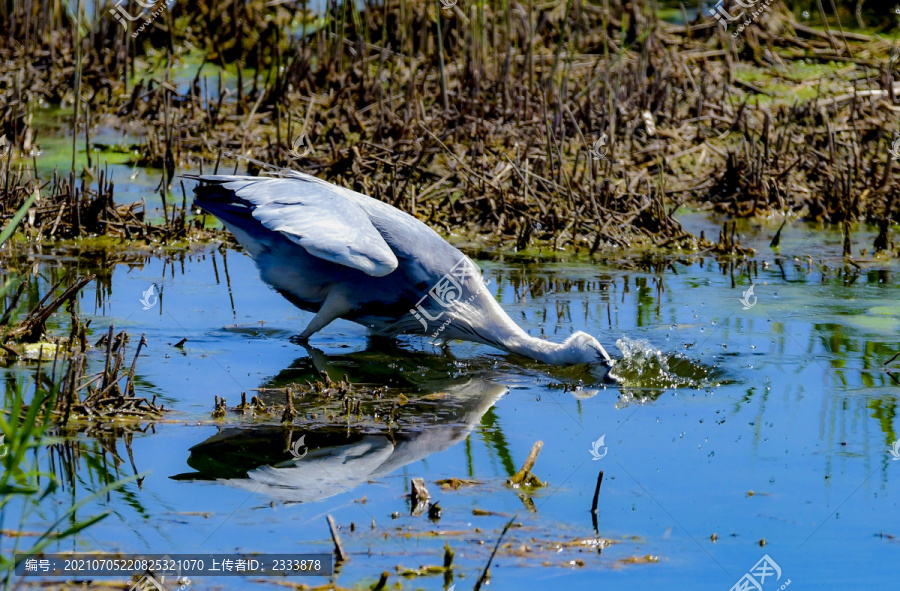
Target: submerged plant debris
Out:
[98,397]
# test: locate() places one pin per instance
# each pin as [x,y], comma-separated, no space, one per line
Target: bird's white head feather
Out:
[580,348]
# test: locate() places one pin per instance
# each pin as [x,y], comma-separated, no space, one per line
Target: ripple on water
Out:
[645,371]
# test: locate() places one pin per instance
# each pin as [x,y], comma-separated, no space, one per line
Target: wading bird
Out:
[341,254]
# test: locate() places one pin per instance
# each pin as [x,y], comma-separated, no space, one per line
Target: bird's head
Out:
[582,348]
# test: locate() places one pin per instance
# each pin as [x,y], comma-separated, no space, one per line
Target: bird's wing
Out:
[320,217]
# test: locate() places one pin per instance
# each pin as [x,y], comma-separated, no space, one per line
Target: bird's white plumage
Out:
[327,223]
[366,261]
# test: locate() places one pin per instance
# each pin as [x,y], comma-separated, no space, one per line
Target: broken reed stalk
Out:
[129,384]
[109,345]
[339,554]
[31,329]
[524,475]
[487,567]
[289,413]
[419,497]
[597,492]
[382,582]
[419,492]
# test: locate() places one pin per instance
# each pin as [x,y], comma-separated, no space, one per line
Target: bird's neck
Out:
[534,348]
[505,333]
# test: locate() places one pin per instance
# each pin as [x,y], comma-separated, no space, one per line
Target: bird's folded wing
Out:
[322,219]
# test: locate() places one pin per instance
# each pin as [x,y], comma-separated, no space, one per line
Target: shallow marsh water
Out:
[780,429]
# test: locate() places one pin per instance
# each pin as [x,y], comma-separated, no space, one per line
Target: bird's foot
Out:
[301,339]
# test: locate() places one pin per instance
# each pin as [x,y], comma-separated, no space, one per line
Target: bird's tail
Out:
[214,196]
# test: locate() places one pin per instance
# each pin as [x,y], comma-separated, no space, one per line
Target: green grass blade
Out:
[17,219]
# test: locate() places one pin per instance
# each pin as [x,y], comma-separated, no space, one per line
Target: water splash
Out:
[646,371]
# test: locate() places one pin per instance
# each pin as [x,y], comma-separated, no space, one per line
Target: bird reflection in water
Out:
[332,460]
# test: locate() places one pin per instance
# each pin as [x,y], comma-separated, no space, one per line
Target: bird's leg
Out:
[332,308]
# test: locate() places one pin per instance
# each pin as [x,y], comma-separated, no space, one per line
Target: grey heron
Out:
[341,254]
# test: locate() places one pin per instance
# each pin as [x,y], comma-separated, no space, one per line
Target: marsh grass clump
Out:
[29,420]
[101,396]
[69,207]
[560,126]
[105,397]
[321,402]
